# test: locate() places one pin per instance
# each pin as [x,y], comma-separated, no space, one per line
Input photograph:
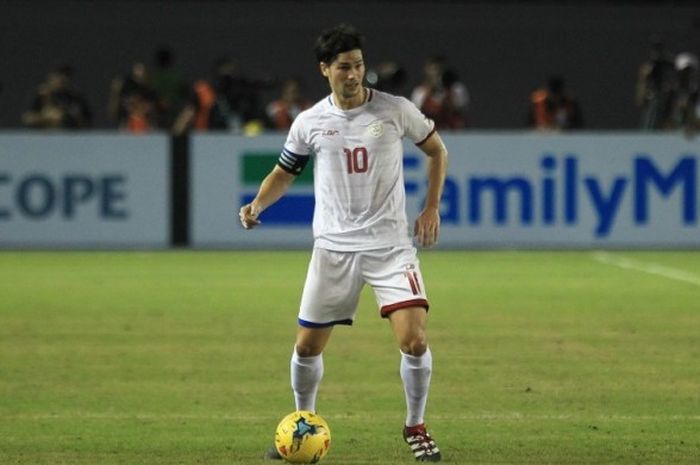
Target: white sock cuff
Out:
[418,361]
[306,361]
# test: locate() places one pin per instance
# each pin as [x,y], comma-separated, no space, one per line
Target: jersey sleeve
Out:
[296,151]
[416,126]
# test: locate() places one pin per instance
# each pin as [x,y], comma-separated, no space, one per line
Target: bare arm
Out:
[184,120]
[427,226]
[272,188]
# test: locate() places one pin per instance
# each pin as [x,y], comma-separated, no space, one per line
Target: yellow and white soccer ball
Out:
[303,437]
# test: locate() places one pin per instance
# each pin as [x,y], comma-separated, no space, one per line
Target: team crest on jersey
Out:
[376,129]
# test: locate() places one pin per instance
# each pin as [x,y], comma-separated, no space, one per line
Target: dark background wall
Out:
[501,50]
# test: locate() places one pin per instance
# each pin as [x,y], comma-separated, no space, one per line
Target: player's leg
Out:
[409,327]
[330,296]
[416,367]
[396,279]
[306,366]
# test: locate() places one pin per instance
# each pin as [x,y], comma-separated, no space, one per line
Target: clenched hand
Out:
[427,227]
[249,216]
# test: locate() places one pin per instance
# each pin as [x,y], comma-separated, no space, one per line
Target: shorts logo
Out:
[376,129]
[330,132]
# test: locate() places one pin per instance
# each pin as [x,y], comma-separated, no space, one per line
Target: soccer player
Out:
[361,233]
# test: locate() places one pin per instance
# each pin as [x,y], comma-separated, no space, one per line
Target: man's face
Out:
[433,73]
[345,74]
[56,81]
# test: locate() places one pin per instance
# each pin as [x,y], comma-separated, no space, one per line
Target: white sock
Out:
[306,373]
[415,374]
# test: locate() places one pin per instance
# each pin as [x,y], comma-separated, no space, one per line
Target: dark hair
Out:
[64,69]
[339,39]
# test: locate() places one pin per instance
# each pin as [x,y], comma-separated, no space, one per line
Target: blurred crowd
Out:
[667,89]
[155,96]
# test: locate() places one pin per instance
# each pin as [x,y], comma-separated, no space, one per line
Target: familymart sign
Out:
[502,190]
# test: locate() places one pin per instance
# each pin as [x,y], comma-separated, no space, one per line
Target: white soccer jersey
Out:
[358,169]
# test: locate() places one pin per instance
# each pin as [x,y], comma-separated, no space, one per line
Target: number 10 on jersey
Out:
[357,160]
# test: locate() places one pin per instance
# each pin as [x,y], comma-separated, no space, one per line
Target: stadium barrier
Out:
[504,189]
[84,191]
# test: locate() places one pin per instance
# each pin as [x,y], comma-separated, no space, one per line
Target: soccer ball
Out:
[303,437]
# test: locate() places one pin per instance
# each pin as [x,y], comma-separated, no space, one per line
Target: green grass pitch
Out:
[182,358]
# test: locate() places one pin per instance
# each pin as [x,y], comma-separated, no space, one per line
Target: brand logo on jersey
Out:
[376,129]
[330,132]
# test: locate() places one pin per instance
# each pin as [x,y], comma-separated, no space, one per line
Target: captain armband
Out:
[292,163]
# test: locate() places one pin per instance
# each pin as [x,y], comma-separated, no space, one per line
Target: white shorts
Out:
[335,279]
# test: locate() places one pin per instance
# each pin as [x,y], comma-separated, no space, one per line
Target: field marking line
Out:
[647,267]
[502,416]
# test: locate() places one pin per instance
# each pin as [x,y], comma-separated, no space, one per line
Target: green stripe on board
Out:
[257,165]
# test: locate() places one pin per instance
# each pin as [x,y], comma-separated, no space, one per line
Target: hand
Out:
[427,227]
[249,216]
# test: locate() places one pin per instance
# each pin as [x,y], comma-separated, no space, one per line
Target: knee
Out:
[311,341]
[414,344]
[308,348]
